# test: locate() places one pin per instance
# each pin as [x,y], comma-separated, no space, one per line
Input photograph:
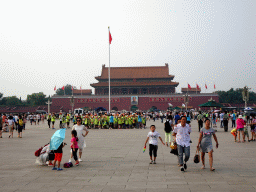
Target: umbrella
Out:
[176,108]
[248,109]
[216,111]
[210,103]
[57,138]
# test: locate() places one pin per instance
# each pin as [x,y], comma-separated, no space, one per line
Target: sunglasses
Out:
[78,120]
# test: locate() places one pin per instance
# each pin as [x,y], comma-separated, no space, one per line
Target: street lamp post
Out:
[186,100]
[72,103]
[245,94]
[48,103]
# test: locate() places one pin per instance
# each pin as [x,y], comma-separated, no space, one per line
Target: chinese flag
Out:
[189,87]
[55,88]
[63,88]
[205,86]
[214,86]
[72,88]
[80,87]
[110,37]
[197,86]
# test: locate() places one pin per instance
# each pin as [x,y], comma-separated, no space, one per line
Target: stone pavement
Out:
[114,161]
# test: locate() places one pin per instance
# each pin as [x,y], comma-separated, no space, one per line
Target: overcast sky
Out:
[48,43]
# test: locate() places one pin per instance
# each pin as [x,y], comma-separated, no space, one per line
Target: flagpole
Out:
[196,88]
[109,75]
[64,90]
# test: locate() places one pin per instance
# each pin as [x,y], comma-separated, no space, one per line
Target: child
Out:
[20,127]
[58,157]
[74,145]
[152,138]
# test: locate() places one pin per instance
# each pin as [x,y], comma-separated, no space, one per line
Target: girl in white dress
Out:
[81,141]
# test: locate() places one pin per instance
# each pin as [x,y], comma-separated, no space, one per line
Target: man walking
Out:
[182,136]
[233,117]
[200,118]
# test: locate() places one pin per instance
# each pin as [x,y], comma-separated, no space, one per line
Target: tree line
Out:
[235,96]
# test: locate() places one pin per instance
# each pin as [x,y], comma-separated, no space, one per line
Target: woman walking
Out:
[81,142]
[240,128]
[205,143]
[10,125]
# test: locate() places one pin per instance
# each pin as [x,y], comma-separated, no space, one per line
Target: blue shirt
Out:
[139,119]
[234,116]
[111,119]
[177,117]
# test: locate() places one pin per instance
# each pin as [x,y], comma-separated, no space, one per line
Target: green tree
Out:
[1,95]
[12,101]
[235,96]
[37,99]
[68,90]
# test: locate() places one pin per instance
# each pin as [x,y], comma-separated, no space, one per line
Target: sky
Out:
[44,44]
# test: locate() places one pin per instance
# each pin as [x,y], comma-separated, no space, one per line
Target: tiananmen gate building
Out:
[133,88]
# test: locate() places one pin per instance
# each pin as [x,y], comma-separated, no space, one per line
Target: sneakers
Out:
[59,169]
[54,168]
[69,161]
[154,162]
[185,166]
[76,164]
[181,169]
[80,160]
[151,162]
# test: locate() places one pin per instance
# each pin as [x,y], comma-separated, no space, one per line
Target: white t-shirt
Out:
[10,121]
[153,137]
[80,129]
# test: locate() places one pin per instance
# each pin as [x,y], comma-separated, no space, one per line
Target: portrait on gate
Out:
[134,100]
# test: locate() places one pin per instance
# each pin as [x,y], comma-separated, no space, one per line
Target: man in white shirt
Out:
[221,119]
[182,136]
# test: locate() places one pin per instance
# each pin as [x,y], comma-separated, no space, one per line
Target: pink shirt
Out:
[240,123]
[73,140]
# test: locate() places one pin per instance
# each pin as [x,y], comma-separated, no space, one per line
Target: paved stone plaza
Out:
[113,161]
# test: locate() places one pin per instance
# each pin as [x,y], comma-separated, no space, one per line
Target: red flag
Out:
[80,87]
[110,37]
[55,88]
[197,86]
[189,87]
[205,86]
[63,88]
[72,88]
[214,86]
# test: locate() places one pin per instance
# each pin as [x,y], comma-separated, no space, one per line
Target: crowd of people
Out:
[177,128]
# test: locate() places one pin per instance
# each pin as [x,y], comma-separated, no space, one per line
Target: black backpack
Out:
[167,127]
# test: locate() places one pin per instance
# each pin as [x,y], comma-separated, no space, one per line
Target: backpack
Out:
[68,165]
[167,127]
[38,152]
[20,122]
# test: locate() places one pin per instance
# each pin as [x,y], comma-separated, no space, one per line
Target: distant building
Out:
[135,80]
[193,90]
[82,92]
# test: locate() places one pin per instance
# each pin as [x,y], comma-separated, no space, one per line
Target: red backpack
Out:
[38,152]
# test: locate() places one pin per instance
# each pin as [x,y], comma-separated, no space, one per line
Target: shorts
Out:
[38,120]
[58,157]
[10,128]
[20,129]
[68,123]
[153,150]
[240,129]
[53,122]
[1,128]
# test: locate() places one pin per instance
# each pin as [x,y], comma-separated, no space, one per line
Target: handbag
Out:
[173,145]
[51,156]
[197,157]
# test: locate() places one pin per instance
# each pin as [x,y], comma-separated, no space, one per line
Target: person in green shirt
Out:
[144,121]
[115,121]
[130,121]
[119,122]
[126,122]
[68,120]
[53,120]
[49,119]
